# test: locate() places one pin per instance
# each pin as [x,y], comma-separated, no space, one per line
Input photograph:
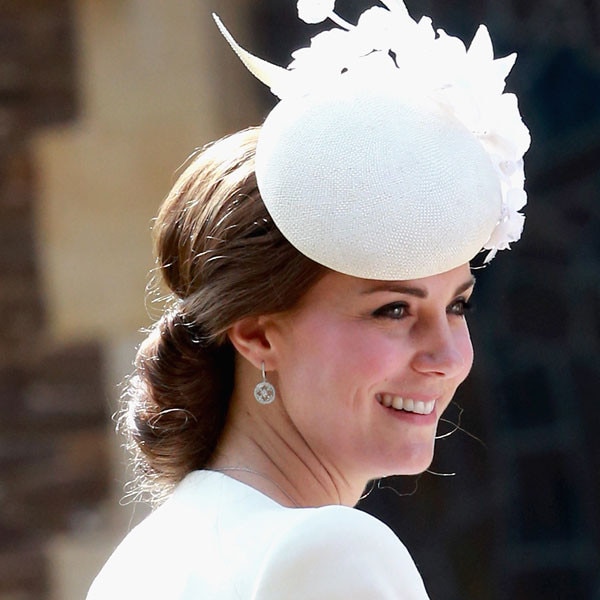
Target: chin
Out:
[413,462]
[416,469]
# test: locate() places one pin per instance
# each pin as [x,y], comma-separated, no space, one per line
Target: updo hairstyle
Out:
[223,259]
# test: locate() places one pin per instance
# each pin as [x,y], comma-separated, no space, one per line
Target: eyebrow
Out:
[400,288]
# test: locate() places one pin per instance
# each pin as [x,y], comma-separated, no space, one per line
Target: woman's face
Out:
[365,369]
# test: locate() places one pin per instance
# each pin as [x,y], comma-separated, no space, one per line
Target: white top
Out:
[218,538]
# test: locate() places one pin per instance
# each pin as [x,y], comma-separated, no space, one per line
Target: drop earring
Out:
[264,392]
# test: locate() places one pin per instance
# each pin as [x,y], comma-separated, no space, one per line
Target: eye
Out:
[460,307]
[394,310]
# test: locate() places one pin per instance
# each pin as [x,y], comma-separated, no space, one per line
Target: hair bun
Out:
[177,400]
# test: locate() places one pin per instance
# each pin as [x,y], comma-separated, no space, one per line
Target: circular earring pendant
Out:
[264,392]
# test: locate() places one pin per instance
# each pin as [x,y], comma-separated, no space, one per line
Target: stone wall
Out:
[100,102]
[519,519]
[53,458]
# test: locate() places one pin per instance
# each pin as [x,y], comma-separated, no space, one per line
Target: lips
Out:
[419,407]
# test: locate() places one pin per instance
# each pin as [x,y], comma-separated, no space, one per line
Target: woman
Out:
[319,270]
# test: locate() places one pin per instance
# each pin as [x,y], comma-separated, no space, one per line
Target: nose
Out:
[443,349]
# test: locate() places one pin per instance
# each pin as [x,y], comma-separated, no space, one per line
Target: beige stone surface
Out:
[74,562]
[153,77]
[156,81]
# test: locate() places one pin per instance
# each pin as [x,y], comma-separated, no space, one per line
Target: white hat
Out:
[393,153]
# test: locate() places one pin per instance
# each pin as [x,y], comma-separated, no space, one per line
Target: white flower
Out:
[330,53]
[510,226]
[467,83]
[315,11]
[490,73]
[508,230]
[381,28]
[516,199]
[501,129]
[331,49]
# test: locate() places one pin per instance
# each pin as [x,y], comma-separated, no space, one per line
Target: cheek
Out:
[377,356]
[325,353]
[355,360]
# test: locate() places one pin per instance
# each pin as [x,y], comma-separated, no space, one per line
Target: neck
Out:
[261,447]
[246,474]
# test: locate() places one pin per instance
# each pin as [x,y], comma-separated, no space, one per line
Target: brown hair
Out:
[223,259]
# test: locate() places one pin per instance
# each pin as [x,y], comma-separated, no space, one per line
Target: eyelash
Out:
[462,306]
[399,310]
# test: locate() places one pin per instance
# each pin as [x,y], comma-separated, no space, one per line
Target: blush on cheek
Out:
[372,353]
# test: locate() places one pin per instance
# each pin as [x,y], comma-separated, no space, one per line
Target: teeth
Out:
[406,404]
[397,403]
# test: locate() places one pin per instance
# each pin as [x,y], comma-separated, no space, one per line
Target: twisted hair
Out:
[223,259]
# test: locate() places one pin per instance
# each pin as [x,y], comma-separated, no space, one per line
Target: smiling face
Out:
[364,369]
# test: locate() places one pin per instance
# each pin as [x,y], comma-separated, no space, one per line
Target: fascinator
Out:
[393,152]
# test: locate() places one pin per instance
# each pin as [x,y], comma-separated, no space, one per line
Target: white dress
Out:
[218,538]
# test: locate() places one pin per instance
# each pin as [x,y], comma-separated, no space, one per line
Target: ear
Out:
[250,339]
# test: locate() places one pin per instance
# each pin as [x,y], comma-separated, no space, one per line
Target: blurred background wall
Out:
[100,102]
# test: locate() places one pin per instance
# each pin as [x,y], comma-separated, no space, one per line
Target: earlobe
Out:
[250,339]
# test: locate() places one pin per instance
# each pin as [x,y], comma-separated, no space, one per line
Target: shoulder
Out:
[333,525]
[338,552]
